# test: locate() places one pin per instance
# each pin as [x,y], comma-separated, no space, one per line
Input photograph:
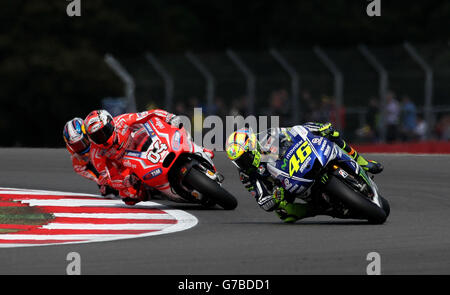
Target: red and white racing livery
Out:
[165,159]
[83,218]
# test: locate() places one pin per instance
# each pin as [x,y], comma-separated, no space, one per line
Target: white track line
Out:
[115,215]
[73,202]
[84,237]
[114,226]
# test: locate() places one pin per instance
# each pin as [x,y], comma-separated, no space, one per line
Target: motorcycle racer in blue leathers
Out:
[245,151]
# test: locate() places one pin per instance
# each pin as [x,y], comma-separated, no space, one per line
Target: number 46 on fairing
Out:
[299,157]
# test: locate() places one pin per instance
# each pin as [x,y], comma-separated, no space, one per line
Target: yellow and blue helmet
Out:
[243,149]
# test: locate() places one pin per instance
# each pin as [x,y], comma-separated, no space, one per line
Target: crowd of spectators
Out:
[403,121]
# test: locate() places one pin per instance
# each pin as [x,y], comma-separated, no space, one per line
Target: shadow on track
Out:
[305,222]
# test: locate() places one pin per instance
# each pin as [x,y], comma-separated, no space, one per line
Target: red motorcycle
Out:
[167,161]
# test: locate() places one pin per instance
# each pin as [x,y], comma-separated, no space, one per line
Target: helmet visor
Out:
[245,161]
[102,135]
[81,146]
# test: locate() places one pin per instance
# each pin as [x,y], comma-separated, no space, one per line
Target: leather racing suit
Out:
[83,166]
[108,161]
[262,186]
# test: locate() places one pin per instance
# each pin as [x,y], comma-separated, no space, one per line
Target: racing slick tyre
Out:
[356,201]
[385,205]
[211,189]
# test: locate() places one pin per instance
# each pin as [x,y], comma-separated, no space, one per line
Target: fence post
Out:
[126,78]
[295,84]
[250,77]
[428,85]
[210,84]
[383,86]
[338,81]
[167,78]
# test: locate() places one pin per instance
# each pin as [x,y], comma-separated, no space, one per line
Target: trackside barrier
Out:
[423,147]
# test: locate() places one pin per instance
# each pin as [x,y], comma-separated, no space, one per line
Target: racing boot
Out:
[291,212]
[327,130]
[370,166]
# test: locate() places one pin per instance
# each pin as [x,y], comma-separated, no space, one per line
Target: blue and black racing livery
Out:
[307,170]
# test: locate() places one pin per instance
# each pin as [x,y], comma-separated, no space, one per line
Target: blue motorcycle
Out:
[315,169]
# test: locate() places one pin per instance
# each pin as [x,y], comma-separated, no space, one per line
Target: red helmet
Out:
[75,136]
[100,127]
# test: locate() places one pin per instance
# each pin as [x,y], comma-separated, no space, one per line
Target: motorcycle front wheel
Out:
[356,201]
[210,189]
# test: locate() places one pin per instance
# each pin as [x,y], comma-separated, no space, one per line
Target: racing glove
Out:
[130,180]
[245,179]
[103,179]
[272,202]
[327,130]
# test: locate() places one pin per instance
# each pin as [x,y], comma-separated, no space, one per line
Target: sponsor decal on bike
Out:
[157,151]
[149,130]
[293,149]
[302,154]
[343,173]
[305,164]
[159,124]
[176,141]
[183,170]
[133,154]
[153,174]
[317,140]
[127,163]
[142,114]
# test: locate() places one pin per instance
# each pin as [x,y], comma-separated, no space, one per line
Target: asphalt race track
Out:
[414,240]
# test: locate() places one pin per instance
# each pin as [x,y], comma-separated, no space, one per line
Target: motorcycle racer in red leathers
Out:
[79,147]
[111,137]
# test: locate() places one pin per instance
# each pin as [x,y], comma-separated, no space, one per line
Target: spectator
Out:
[279,105]
[329,112]
[221,109]
[443,128]
[180,109]
[369,132]
[337,112]
[325,109]
[193,103]
[239,107]
[392,117]
[420,131]
[407,119]
[309,108]
[372,117]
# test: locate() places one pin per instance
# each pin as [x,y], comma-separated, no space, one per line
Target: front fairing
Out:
[298,164]
[160,141]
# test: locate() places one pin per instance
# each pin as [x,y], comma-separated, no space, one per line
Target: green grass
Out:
[22,215]
[8,230]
